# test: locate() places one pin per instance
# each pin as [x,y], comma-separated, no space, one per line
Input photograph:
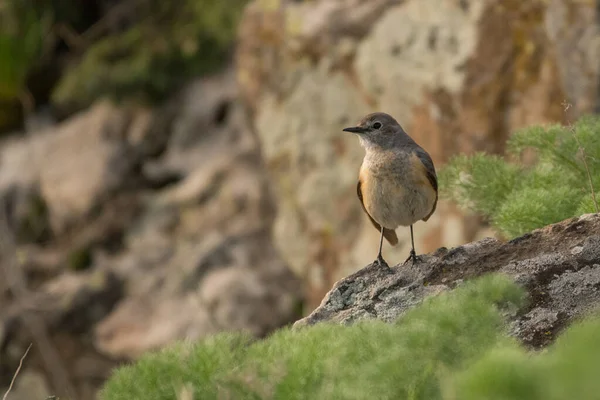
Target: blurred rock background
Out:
[173,169]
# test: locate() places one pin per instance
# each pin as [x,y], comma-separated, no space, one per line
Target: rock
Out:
[160,230]
[29,385]
[76,302]
[200,258]
[26,212]
[20,195]
[460,76]
[95,142]
[234,283]
[559,265]
[49,163]
[237,298]
[70,303]
[62,312]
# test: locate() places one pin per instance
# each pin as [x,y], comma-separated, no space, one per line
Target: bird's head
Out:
[378,130]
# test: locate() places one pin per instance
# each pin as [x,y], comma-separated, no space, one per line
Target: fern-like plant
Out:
[517,198]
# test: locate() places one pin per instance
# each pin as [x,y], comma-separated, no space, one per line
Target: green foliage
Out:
[480,181]
[164,374]
[517,198]
[452,347]
[494,377]
[410,359]
[171,42]
[23,31]
[568,370]
[573,365]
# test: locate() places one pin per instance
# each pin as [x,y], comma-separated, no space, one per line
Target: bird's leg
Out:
[380,259]
[413,254]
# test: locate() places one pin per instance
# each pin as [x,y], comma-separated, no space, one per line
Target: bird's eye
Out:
[377,125]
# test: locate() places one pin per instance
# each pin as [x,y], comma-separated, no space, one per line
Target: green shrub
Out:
[409,359]
[517,198]
[452,347]
[568,370]
[164,374]
[23,32]
[169,43]
[506,372]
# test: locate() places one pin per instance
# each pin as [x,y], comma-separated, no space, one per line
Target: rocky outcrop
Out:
[459,75]
[559,266]
[134,228]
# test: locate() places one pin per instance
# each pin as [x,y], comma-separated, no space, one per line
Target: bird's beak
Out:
[355,129]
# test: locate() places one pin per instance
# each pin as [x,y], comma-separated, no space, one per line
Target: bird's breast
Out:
[396,192]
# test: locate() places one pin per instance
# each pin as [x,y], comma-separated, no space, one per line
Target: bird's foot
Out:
[380,261]
[415,258]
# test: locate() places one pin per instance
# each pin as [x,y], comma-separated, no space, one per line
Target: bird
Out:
[397,182]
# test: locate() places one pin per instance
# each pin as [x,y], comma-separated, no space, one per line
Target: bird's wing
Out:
[389,234]
[431,176]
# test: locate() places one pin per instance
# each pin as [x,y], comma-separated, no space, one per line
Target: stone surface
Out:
[157,229]
[200,258]
[559,265]
[85,159]
[31,385]
[76,165]
[459,75]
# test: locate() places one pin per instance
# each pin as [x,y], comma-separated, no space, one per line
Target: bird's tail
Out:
[390,236]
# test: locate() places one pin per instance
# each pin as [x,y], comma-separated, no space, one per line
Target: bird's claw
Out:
[414,257]
[380,261]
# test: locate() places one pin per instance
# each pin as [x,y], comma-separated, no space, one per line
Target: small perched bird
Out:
[397,184]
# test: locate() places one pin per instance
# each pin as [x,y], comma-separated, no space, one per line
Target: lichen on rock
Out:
[559,265]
